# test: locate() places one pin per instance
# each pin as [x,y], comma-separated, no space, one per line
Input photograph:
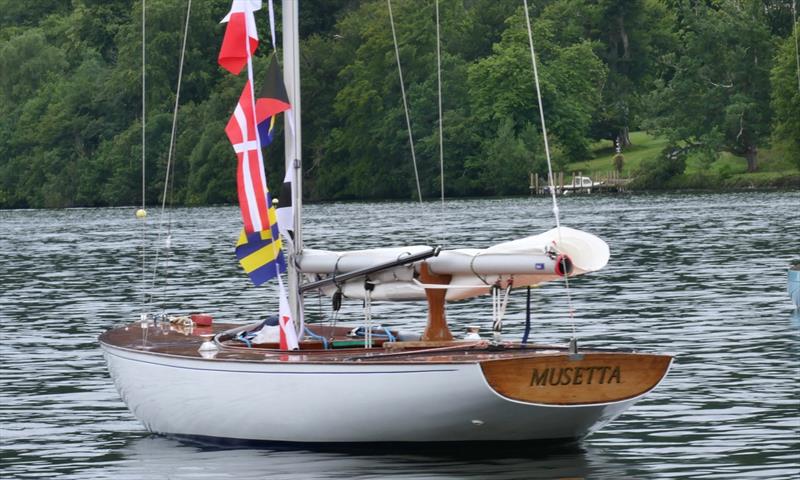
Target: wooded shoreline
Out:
[715,86]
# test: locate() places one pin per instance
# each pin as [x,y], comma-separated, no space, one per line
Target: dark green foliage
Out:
[716,93]
[656,172]
[785,78]
[70,94]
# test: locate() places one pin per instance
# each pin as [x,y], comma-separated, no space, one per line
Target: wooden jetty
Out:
[610,181]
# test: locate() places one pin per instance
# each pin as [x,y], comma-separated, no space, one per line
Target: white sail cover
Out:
[527,261]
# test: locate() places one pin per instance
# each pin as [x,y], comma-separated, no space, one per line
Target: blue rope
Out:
[319,337]
[362,331]
[389,334]
[242,338]
[527,319]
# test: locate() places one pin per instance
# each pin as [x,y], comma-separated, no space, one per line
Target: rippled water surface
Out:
[702,276]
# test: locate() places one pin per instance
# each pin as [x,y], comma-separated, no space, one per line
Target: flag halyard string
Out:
[253,177]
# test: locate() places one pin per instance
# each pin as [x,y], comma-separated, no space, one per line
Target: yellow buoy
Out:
[141,213]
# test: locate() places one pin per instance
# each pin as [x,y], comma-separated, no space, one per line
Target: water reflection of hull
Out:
[158,457]
[432,400]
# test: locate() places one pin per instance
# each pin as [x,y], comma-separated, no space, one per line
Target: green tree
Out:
[509,158]
[717,92]
[361,148]
[501,86]
[786,98]
[629,37]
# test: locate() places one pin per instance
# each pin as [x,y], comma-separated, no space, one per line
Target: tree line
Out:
[711,76]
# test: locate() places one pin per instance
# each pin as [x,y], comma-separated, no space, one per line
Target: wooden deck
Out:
[171,340]
[536,374]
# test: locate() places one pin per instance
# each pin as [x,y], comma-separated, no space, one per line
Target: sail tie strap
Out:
[499,305]
[472,269]
[368,287]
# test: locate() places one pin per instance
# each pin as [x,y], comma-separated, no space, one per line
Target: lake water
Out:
[702,276]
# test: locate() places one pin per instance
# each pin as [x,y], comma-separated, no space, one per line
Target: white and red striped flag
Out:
[241,27]
[251,184]
[251,180]
[237,50]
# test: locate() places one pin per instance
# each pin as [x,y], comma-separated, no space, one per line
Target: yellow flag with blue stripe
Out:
[260,253]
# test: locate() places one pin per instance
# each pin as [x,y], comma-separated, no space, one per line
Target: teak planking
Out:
[576,379]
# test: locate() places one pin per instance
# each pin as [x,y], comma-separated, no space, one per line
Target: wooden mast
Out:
[436,329]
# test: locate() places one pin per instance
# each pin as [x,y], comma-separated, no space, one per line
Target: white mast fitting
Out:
[292,148]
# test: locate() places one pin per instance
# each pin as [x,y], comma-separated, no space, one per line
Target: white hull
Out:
[294,402]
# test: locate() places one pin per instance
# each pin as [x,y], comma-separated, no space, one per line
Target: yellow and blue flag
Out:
[260,252]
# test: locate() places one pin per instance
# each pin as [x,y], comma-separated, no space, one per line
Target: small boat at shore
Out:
[282,380]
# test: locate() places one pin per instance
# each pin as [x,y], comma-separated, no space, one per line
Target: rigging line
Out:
[271,9]
[171,149]
[144,78]
[168,241]
[441,135]
[547,154]
[170,164]
[144,181]
[405,102]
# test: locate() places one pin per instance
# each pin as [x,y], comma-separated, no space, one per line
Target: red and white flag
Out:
[288,333]
[238,46]
[251,181]
[241,27]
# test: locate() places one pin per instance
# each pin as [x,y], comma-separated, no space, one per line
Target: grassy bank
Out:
[727,171]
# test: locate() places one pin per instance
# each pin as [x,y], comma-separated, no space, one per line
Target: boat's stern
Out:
[581,393]
[576,379]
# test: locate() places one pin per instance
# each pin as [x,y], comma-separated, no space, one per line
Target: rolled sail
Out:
[527,261]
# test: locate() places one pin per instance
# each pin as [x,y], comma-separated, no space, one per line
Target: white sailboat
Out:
[190,379]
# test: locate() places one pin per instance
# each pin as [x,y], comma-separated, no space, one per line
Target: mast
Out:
[292,149]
